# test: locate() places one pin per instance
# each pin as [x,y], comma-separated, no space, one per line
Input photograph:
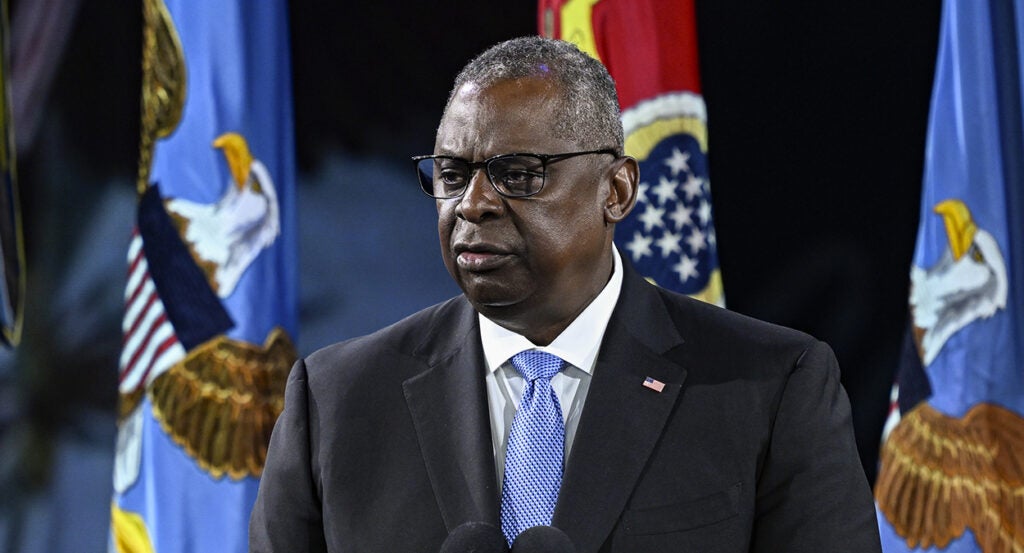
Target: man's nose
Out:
[480,199]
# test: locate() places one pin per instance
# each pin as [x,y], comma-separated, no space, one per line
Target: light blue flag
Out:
[211,297]
[952,471]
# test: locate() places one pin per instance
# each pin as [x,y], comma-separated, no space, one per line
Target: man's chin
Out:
[485,302]
[493,300]
[490,288]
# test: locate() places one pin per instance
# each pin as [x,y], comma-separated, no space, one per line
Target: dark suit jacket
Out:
[384,444]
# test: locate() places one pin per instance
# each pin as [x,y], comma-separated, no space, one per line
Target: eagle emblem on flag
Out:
[944,475]
[216,396]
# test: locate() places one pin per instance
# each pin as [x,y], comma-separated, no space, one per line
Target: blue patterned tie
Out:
[533,459]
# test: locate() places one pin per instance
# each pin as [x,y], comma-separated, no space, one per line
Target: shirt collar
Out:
[577,344]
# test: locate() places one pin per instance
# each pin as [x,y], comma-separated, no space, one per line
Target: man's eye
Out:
[451,177]
[518,177]
[520,181]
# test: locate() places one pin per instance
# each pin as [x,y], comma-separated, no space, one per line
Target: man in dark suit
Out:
[666,424]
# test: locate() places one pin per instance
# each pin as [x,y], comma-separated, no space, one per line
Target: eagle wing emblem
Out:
[943,475]
[220,403]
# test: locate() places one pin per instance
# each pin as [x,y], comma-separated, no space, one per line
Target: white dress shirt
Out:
[577,345]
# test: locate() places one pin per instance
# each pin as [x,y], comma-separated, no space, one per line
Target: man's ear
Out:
[622,192]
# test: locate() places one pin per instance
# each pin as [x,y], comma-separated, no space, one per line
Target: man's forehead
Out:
[525,97]
[519,114]
[528,86]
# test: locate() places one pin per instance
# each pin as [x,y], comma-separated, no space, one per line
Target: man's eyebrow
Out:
[449,155]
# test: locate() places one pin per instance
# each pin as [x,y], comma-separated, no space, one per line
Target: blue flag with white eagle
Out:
[211,295]
[952,470]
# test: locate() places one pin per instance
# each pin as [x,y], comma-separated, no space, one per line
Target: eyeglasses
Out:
[512,175]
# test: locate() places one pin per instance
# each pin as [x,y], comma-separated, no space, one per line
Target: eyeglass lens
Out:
[514,175]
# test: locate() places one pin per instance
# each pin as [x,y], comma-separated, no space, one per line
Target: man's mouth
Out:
[479,257]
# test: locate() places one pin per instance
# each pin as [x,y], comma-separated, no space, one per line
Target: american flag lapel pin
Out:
[653,384]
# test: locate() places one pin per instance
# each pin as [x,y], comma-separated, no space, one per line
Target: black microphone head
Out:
[475,537]
[543,539]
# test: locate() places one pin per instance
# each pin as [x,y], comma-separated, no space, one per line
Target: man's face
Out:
[530,264]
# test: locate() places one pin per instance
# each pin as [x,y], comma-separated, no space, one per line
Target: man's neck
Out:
[541,334]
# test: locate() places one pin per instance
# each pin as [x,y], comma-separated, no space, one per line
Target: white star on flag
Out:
[666,190]
[693,187]
[651,217]
[682,216]
[696,240]
[640,245]
[679,162]
[704,212]
[686,268]
[669,243]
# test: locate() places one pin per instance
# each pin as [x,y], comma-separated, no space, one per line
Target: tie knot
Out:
[533,364]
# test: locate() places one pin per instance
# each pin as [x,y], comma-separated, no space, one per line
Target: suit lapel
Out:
[448,404]
[622,419]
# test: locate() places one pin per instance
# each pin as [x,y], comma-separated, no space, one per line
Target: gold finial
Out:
[163,83]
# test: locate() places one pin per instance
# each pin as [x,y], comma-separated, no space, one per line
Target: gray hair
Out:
[590,105]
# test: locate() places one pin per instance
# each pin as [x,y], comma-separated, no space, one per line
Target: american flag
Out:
[653,384]
[169,305]
[150,344]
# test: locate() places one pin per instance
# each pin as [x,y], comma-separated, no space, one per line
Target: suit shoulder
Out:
[399,341]
[723,333]
[731,322]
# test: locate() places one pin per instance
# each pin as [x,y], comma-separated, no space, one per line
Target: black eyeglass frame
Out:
[545,160]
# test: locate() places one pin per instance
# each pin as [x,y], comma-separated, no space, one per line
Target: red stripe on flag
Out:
[157,355]
[145,342]
[134,264]
[138,289]
[138,318]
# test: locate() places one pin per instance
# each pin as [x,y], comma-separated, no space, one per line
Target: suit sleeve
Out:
[287,514]
[812,494]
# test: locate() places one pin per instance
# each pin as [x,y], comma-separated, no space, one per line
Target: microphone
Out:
[543,539]
[475,537]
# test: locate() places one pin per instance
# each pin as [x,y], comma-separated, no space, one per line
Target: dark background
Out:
[817,118]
